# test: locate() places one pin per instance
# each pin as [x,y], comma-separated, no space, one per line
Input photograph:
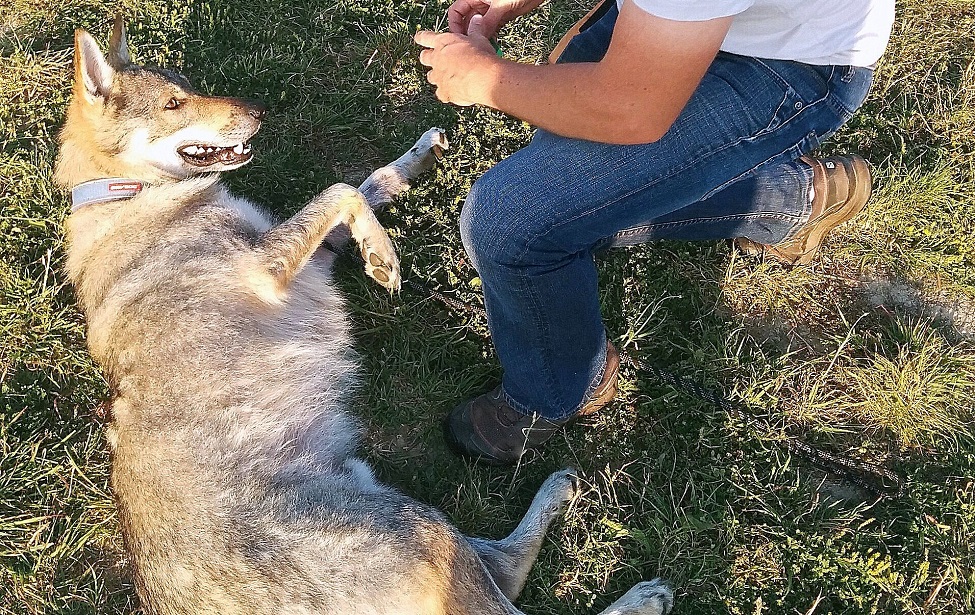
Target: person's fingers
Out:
[425,57]
[460,12]
[426,38]
[456,22]
[494,18]
[476,27]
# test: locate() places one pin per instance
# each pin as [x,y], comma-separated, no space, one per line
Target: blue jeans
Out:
[727,168]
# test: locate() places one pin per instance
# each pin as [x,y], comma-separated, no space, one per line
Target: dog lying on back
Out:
[228,353]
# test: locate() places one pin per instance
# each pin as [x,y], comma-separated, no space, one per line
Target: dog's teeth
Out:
[247,148]
[192,150]
[239,148]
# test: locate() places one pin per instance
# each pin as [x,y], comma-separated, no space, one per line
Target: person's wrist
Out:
[487,71]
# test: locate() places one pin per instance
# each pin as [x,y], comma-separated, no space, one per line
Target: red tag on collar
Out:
[125,186]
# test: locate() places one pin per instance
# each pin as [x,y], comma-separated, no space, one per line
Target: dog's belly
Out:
[297,548]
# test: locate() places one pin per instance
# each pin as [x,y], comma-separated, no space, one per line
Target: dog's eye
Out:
[174,103]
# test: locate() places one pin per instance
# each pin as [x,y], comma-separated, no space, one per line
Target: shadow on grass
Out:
[676,487]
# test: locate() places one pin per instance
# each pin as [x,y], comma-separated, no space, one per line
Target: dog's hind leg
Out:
[388,182]
[645,598]
[286,248]
[509,560]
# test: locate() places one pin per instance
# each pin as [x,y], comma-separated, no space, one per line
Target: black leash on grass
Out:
[871,477]
[874,478]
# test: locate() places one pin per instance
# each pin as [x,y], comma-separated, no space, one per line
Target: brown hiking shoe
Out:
[489,429]
[841,186]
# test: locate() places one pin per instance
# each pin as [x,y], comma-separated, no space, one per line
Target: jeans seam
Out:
[675,171]
[542,327]
[519,408]
[547,373]
[839,108]
[593,385]
[806,184]
[775,74]
[637,230]
[530,242]
[787,91]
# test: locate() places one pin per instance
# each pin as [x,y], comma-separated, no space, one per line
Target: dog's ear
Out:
[92,74]
[118,47]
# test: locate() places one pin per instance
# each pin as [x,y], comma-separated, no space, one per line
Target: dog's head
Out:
[149,123]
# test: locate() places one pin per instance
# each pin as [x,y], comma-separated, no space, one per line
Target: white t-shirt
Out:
[845,32]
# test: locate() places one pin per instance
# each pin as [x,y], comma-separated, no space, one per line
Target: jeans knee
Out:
[469,221]
[492,227]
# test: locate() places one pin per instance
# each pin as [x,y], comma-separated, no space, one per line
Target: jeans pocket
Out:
[804,85]
[790,106]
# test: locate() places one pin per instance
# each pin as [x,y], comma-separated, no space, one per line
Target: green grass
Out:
[868,353]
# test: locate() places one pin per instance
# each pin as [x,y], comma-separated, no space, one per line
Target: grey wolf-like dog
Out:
[229,357]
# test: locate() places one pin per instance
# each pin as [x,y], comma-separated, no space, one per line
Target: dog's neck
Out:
[82,159]
[130,222]
[77,164]
[104,190]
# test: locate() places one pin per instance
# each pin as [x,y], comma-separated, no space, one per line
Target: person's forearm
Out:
[632,95]
[575,100]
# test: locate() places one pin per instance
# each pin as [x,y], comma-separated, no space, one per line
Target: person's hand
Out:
[458,62]
[496,13]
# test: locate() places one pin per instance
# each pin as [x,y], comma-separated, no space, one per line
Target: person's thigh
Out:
[769,202]
[562,196]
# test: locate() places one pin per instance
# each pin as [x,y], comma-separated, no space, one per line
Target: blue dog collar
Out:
[104,191]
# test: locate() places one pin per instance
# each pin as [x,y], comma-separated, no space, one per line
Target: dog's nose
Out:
[257,109]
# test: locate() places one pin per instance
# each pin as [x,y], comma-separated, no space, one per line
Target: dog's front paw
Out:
[434,141]
[424,154]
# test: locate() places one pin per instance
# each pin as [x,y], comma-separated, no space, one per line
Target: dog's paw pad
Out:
[381,269]
[380,275]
